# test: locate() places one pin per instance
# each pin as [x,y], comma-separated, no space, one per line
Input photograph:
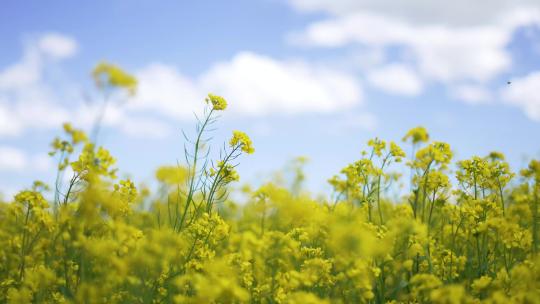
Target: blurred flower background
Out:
[302,77]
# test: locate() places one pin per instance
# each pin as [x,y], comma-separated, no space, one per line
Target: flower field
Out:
[466,231]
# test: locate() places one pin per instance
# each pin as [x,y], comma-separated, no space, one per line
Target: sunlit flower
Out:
[218,103]
[240,139]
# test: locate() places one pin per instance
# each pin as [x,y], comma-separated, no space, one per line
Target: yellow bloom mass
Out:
[218,103]
[417,135]
[107,74]
[240,139]
[466,231]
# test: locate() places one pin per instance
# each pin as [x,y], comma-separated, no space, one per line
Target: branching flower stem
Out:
[193,171]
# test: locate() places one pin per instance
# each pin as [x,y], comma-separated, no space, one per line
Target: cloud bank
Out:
[523,92]
[255,85]
[459,44]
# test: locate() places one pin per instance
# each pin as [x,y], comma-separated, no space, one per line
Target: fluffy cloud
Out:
[254,84]
[29,70]
[261,85]
[28,101]
[421,12]
[441,53]
[523,93]
[57,45]
[24,95]
[9,125]
[452,42]
[13,159]
[165,89]
[396,79]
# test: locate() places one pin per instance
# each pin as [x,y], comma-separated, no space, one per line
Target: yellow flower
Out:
[396,151]
[189,242]
[418,134]
[408,265]
[450,294]
[377,145]
[77,136]
[106,74]
[172,175]
[241,139]
[481,284]
[226,172]
[218,103]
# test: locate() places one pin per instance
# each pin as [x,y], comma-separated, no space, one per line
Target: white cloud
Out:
[41,162]
[9,125]
[396,79]
[15,160]
[441,53]
[28,101]
[117,116]
[472,94]
[12,159]
[165,89]
[365,59]
[7,193]
[57,45]
[29,70]
[253,84]
[451,43]
[523,93]
[25,99]
[453,13]
[23,73]
[34,107]
[260,85]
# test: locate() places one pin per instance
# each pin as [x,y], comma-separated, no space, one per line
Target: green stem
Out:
[218,179]
[193,174]
[379,189]
[23,245]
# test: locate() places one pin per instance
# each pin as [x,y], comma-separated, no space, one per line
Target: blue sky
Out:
[313,78]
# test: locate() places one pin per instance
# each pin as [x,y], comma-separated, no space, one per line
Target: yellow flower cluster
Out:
[225,171]
[218,103]
[113,243]
[110,241]
[107,75]
[241,140]
[417,135]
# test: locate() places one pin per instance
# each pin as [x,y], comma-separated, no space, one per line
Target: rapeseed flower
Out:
[108,240]
[241,140]
[107,75]
[218,103]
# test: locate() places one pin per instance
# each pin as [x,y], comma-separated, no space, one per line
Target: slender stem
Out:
[535,218]
[431,210]
[193,173]
[72,183]
[57,181]
[501,195]
[23,245]
[379,189]
[99,118]
[218,179]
